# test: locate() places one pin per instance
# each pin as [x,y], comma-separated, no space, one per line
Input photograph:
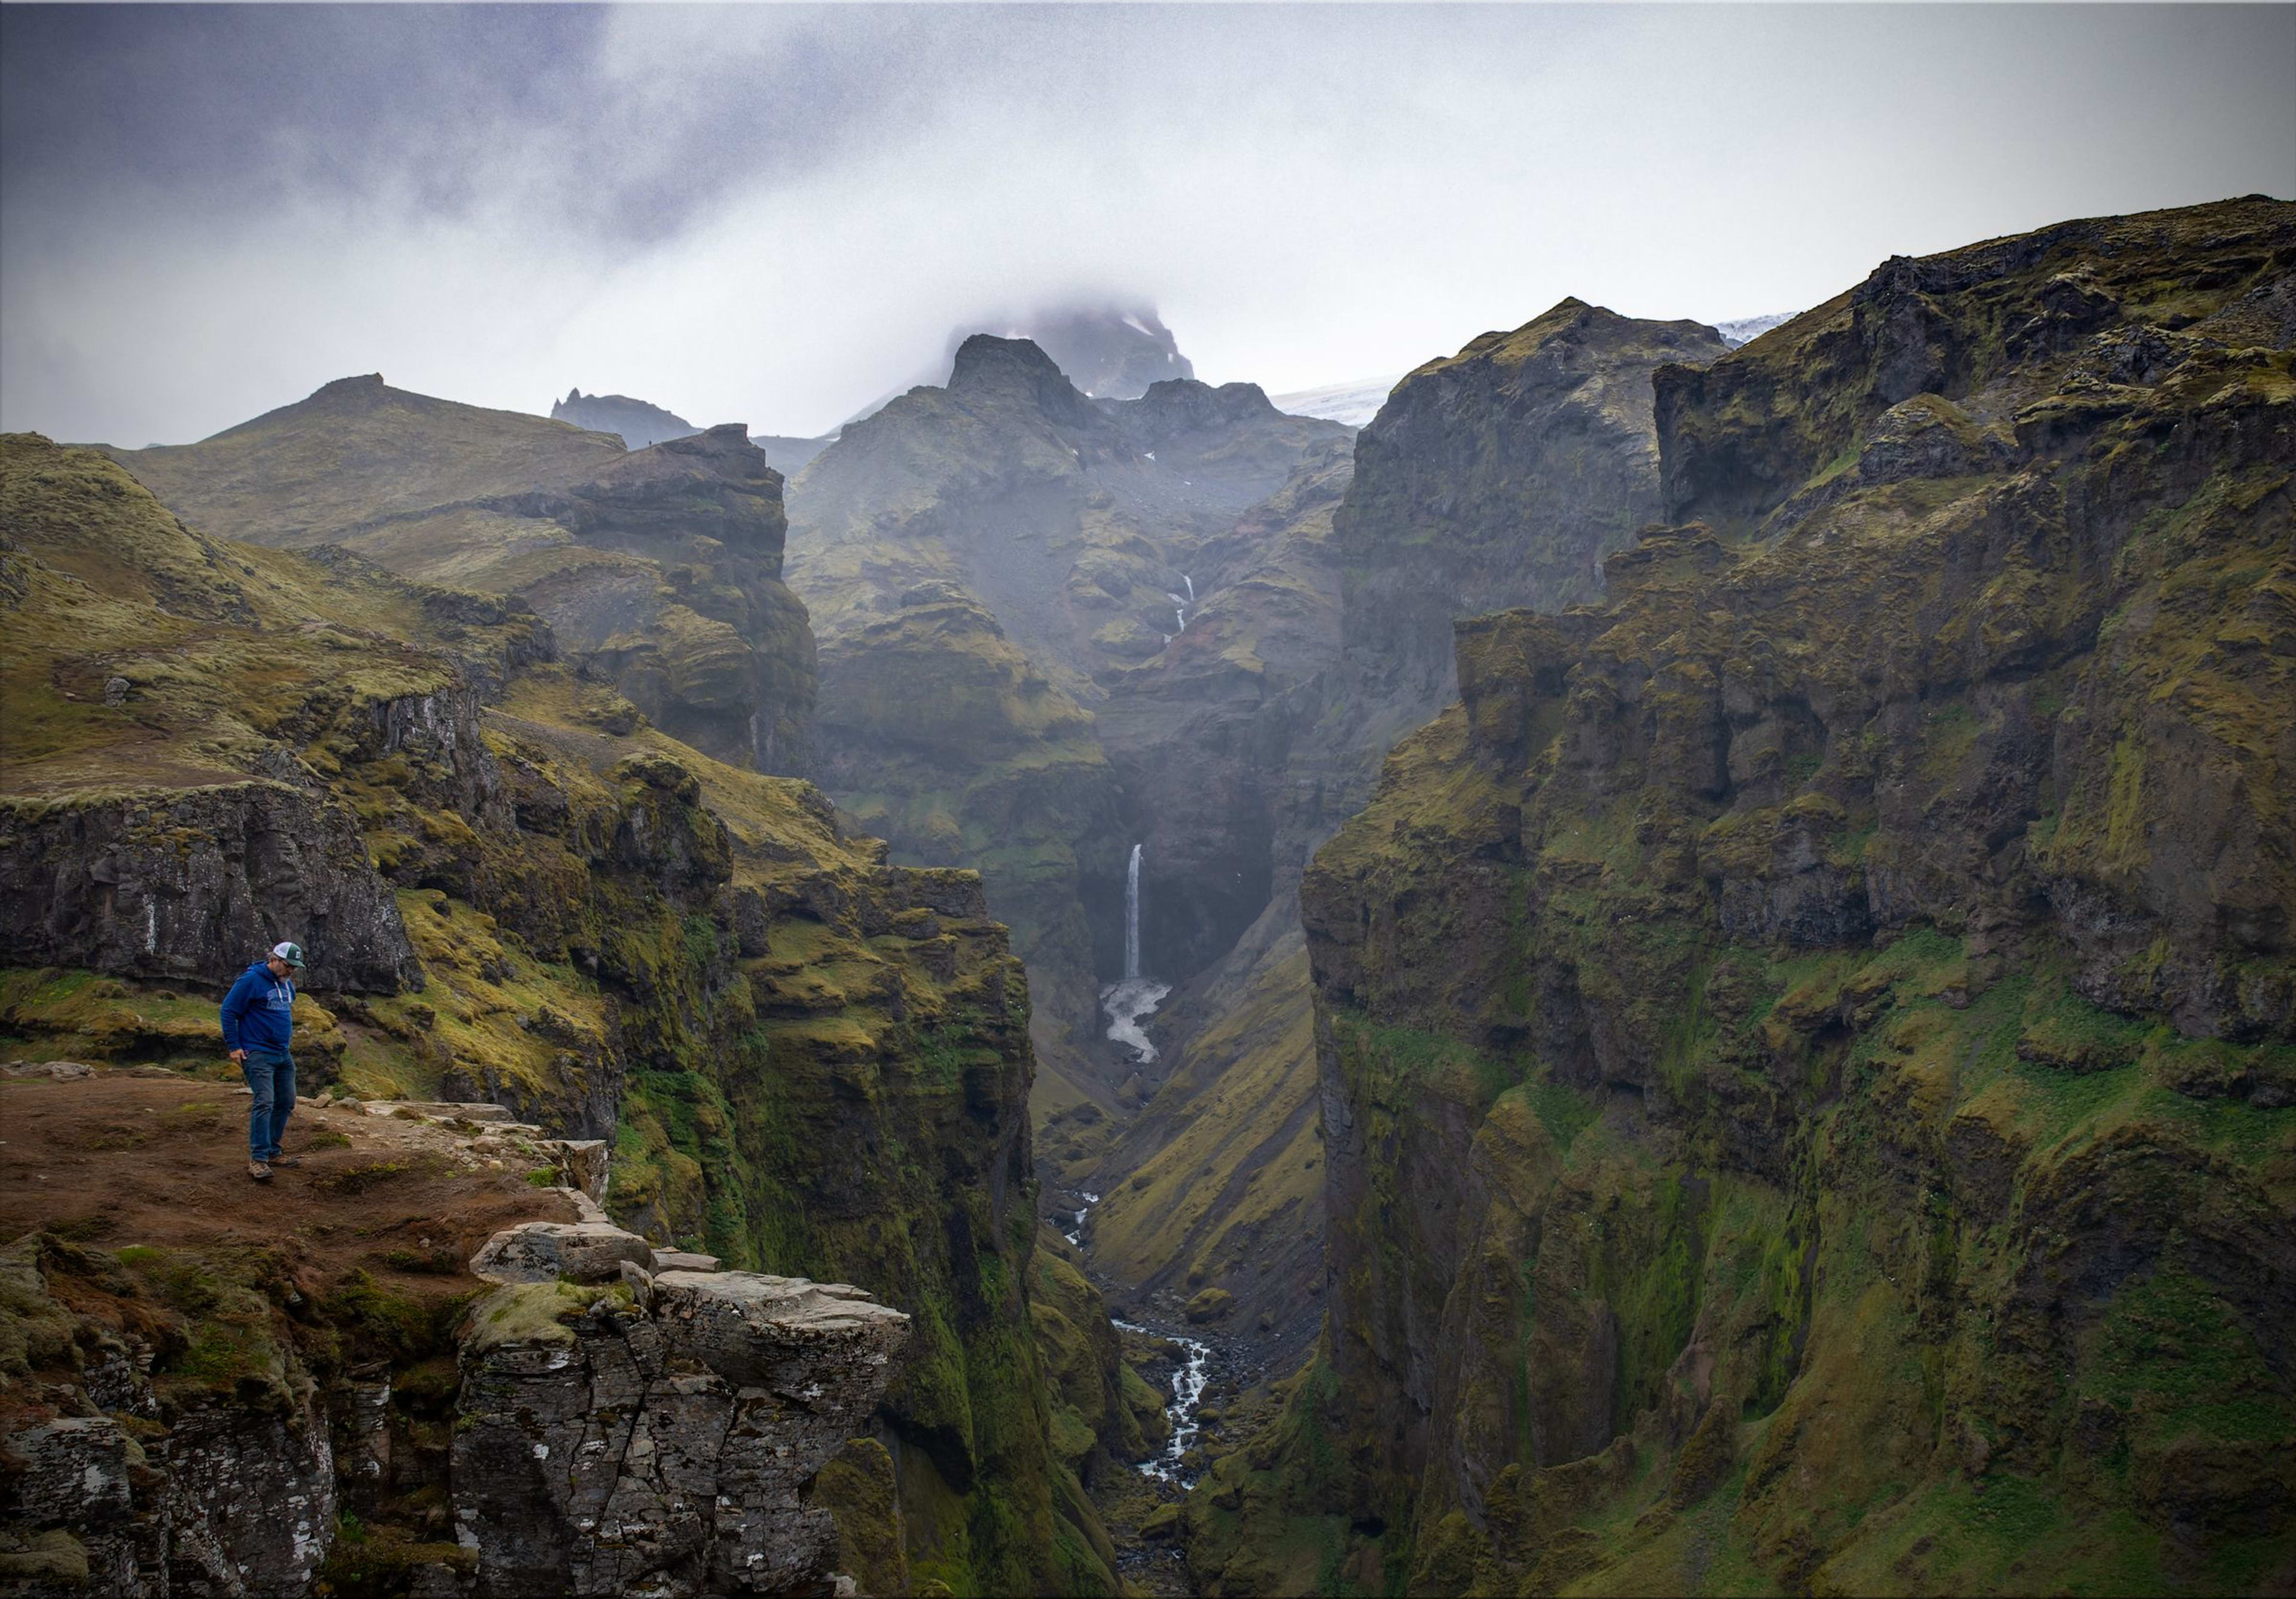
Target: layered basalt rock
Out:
[693,621]
[938,734]
[1501,476]
[1213,738]
[216,1492]
[662,1434]
[194,885]
[664,1439]
[1753,1127]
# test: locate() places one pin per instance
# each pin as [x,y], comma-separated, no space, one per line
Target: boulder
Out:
[1163,1523]
[586,1160]
[1210,1305]
[60,1071]
[683,1260]
[545,1252]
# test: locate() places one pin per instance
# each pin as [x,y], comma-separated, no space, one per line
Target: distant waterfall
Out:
[1191,582]
[1132,1000]
[1132,916]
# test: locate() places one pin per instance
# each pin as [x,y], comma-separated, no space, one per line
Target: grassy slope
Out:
[1230,1194]
[356,450]
[660,567]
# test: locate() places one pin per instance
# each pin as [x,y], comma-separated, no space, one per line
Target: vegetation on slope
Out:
[1250,738]
[354,451]
[1225,1184]
[659,568]
[809,1062]
[1809,1045]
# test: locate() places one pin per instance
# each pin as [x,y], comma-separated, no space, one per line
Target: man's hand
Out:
[239,1057]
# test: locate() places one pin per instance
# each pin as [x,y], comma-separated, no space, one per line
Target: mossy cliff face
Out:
[1207,736]
[1103,1412]
[1501,476]
[808,1061]
[1806,1045]
[658,569]
[942,737]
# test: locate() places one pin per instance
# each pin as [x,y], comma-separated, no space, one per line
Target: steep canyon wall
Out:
[1805,1043]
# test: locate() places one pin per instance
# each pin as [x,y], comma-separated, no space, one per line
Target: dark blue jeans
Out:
[272,1077]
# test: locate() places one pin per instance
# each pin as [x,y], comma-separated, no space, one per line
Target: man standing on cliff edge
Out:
[258,1024]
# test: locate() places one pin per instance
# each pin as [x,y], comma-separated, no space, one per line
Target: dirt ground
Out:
[146,1156]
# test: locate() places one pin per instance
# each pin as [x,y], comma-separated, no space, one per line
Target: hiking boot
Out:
[285,1161]
[260,1172]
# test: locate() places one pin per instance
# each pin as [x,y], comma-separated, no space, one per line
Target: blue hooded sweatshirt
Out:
[259,1012]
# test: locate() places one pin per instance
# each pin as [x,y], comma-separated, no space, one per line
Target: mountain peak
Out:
[984,358]
[1109,351]
[1190,403]
[987,366]
[366,389]
[640,423]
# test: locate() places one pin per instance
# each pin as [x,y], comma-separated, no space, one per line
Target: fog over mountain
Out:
[775,214]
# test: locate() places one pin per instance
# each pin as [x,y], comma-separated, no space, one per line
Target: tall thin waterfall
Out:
[1132,916]
[1134,998]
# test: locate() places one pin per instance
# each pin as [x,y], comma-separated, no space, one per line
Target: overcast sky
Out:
[771,214]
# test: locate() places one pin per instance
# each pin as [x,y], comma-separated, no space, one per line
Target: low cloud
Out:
[771,215]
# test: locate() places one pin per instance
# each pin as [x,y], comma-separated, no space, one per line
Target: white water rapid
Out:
[1083,1211]
[1188,1392]
[1135,999]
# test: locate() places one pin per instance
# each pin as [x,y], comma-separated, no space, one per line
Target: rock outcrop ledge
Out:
[616,1432]
[656,1434]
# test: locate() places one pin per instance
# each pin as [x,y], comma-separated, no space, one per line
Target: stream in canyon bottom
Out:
[1190,1377]
[1188,1380]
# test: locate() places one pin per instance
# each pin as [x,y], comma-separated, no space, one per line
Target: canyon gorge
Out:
[1670,968]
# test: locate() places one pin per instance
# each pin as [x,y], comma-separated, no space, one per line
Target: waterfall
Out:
[1132,1000]
[1191,582]
[1132,916]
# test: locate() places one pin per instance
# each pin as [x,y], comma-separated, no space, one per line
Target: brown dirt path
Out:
[144,1156]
